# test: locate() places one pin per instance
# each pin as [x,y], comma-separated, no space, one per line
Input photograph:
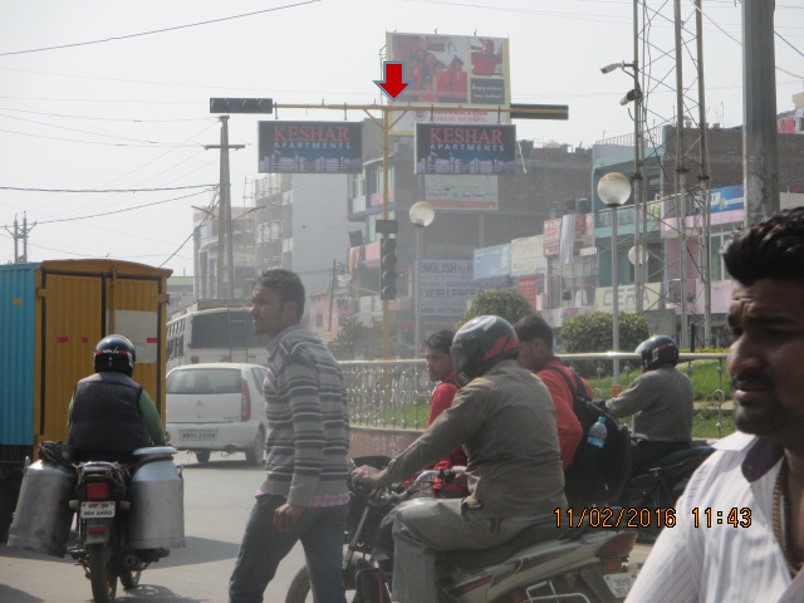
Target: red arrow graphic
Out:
[393,84]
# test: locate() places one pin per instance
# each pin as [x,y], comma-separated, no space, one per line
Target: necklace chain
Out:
[780,503]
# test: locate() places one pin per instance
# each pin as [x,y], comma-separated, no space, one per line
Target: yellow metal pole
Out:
[386,319]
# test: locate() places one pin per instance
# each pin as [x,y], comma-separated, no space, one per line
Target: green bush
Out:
[509,305]
[592,332]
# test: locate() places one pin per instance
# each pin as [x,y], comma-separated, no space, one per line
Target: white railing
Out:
[396,393]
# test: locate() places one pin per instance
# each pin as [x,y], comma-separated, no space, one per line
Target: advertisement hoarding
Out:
[465,149]
[446,69]
[466,192]
[310,146]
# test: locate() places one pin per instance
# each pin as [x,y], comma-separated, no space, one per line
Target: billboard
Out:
[310,146]
[445,69]
[465,149]
[464,193]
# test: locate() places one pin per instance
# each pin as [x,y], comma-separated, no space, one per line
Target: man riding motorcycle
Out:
[505,419]
[110,414]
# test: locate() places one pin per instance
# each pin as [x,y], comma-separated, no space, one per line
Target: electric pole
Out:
[20,233]
[760,153]
[225,268]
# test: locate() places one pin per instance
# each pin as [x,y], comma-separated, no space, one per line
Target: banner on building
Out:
[331,147]
[527,256]
[465,149]
[464,192]
[490,262]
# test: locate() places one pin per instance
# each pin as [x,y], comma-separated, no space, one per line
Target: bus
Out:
[214,335]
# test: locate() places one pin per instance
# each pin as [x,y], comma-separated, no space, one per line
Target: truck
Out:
[52,314]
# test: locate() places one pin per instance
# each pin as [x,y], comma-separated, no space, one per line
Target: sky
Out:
[104,106]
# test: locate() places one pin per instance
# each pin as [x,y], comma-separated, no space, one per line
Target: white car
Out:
[217,406]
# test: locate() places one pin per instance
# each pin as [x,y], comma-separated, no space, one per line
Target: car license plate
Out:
[94,510]
[620,584]
[197,435]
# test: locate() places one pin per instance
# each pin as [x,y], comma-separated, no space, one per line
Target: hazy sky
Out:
[109,108]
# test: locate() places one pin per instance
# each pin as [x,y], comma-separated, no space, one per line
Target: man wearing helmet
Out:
[662,400]
[111,415]
[505,419]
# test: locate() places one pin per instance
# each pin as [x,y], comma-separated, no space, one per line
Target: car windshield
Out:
[206,381]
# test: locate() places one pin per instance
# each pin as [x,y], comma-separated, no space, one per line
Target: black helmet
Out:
[115,353]
[480,344]
[657,351]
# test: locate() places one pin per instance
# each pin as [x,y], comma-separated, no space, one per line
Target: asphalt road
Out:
[217,499]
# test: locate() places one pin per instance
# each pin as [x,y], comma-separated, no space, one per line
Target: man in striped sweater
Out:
[304,496]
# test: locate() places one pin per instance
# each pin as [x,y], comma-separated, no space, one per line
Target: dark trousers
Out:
[320,530]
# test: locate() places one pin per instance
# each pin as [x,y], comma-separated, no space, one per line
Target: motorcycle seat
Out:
[680,460]
[473,559]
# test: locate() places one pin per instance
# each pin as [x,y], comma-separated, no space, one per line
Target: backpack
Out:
[596,476]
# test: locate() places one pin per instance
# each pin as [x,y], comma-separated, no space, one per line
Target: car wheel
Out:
[202,456]
[256,454]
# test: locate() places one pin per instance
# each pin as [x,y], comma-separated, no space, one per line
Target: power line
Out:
[106,190]
[120,211]
[157,31]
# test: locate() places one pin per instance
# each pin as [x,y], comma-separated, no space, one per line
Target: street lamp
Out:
[421,215]
[614,189]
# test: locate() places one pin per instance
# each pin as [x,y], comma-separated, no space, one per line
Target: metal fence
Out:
[396,393]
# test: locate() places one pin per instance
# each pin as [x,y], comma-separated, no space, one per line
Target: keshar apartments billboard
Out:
[310,146]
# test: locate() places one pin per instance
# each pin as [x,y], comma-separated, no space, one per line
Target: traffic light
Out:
[388,268]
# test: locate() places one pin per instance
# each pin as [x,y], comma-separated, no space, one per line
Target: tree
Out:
[593,332]
[351,334]
[509,305]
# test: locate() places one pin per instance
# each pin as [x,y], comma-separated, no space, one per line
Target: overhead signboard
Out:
[465,149]
[332,147]
[443,69]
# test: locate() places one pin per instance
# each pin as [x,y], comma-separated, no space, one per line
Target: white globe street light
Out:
[421,215]
[614,189]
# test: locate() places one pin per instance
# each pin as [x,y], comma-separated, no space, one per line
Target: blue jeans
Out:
[320,530]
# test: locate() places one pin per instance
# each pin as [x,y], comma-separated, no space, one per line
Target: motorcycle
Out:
[583,565]
[127,518]
[660,486]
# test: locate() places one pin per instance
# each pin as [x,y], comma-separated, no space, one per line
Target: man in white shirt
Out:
[739,536]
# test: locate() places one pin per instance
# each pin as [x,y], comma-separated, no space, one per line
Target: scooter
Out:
[583,565]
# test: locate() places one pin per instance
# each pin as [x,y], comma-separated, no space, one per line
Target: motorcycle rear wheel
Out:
[101,573]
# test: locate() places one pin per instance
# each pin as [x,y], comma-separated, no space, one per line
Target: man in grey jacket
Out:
[505,419]
[662,400]
[304,496]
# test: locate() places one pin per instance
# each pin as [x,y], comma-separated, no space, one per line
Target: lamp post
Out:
[421,215]
[614,189]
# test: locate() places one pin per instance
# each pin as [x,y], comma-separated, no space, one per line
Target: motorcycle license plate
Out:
[620,584]
[94,510]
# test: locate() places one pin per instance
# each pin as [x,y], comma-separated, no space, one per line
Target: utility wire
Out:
[105,190]
[157,31]
[192,234]
[120,211]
